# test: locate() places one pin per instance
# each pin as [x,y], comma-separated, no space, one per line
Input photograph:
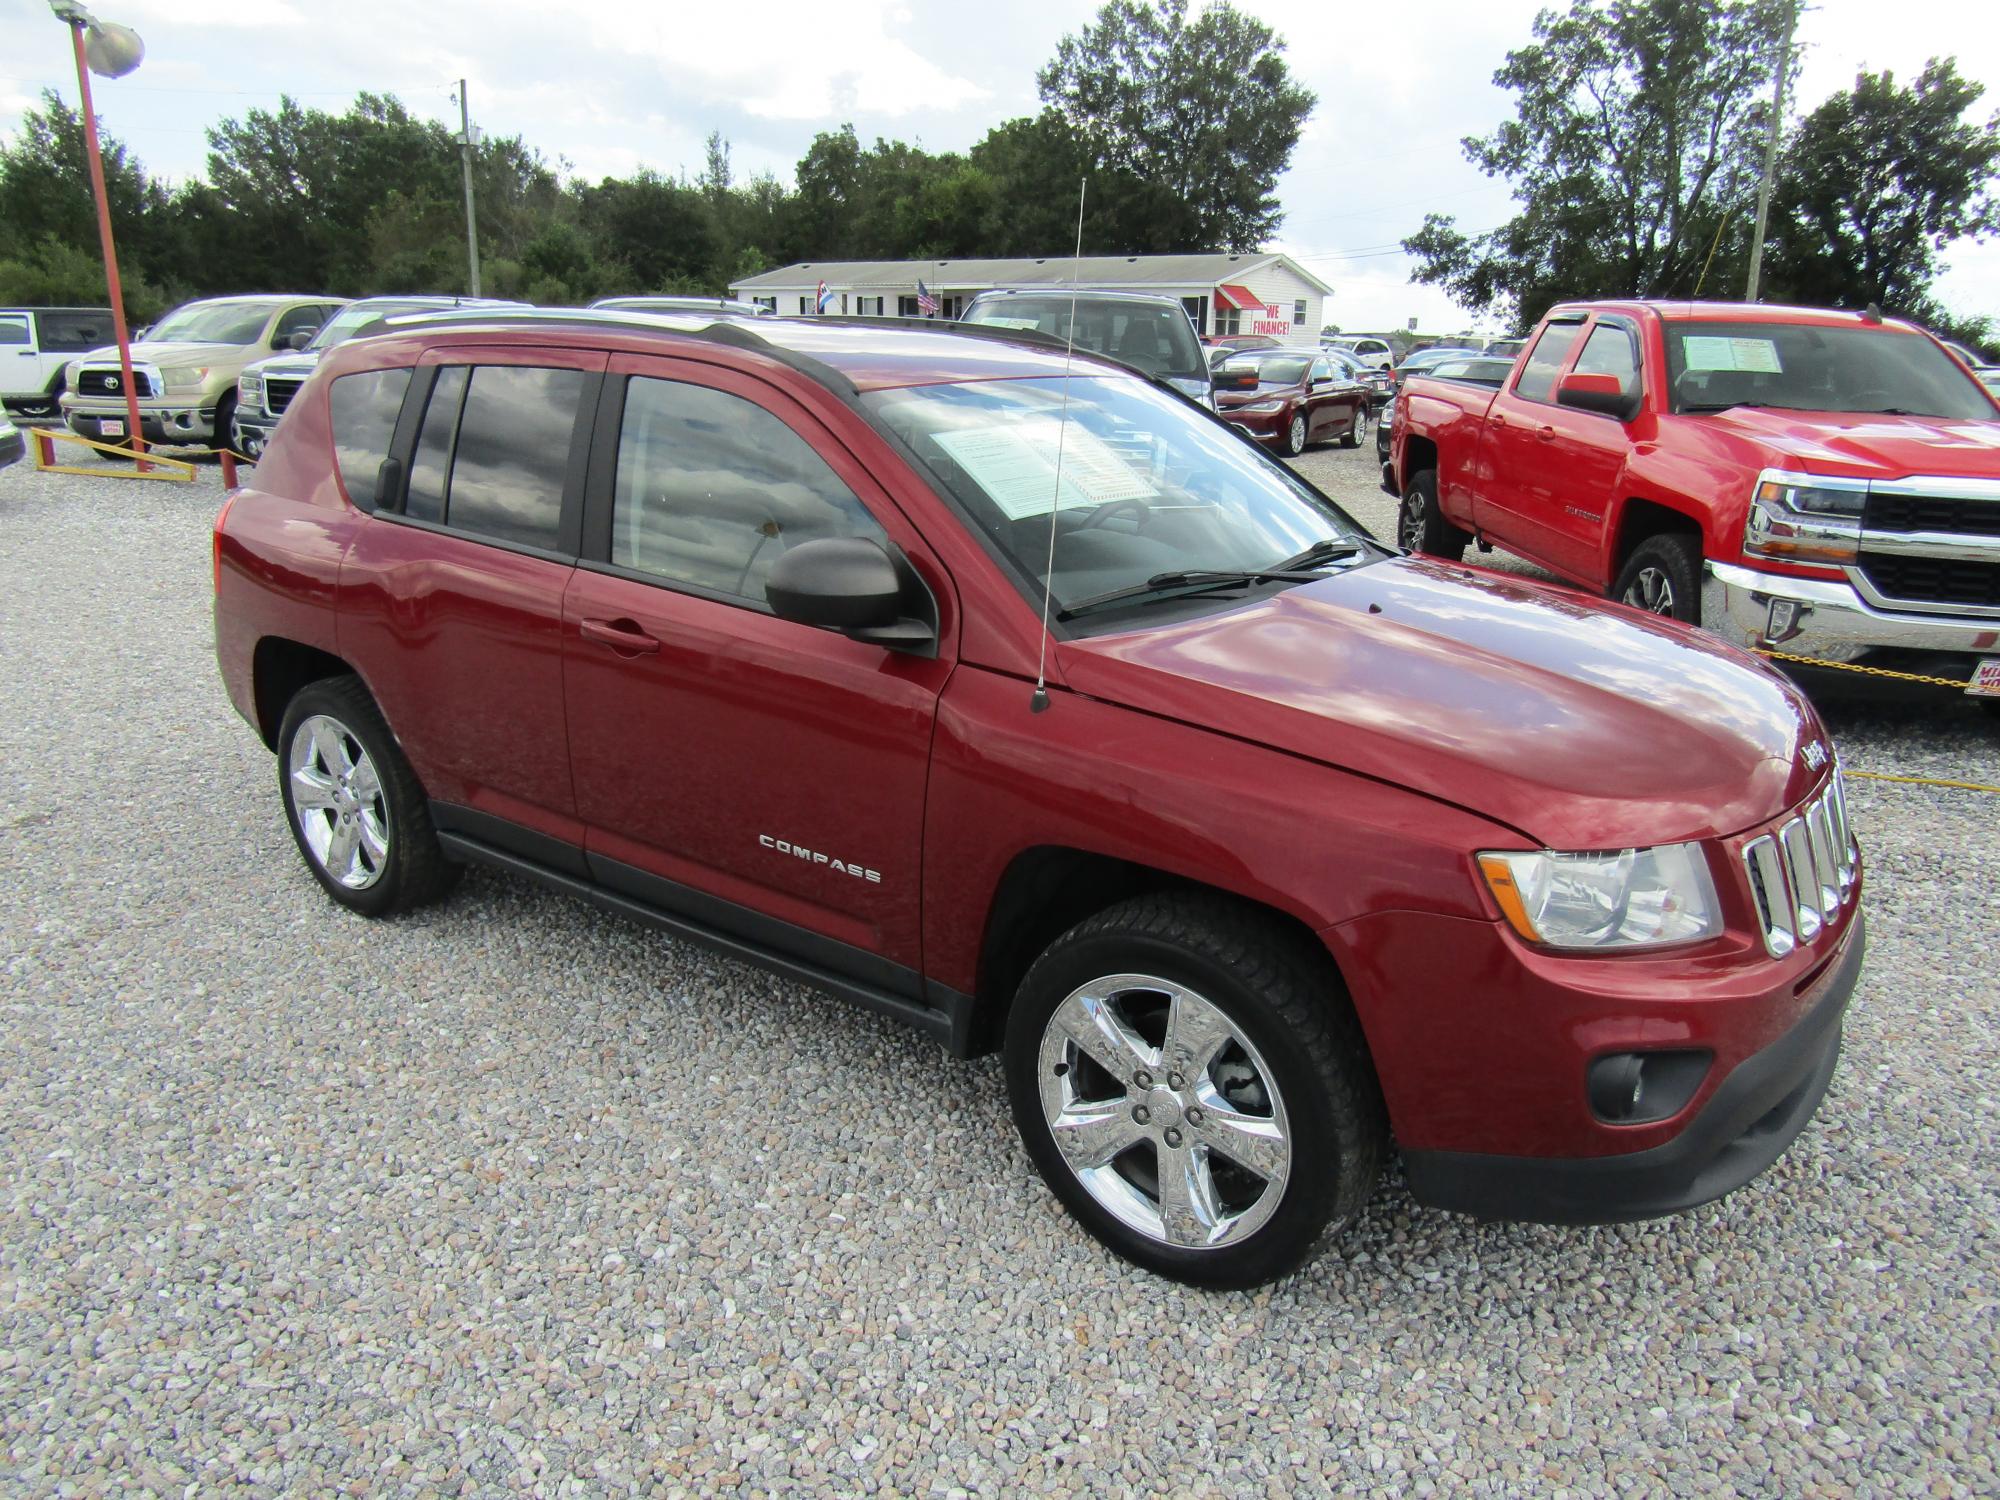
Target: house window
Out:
[1299,313]
[805,304]
[868,307]
[1226,320]
[1197,311]
[769,302]
[906,307]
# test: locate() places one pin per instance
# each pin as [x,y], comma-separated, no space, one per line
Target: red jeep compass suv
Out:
[1305,844]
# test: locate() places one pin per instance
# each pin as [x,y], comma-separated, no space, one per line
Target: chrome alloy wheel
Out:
[1410,523]
[1651,590]
[337,799]
[1164,1112]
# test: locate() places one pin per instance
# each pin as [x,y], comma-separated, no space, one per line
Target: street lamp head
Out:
[113,51]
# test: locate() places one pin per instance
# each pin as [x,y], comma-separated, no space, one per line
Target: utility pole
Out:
[1771,153]
[465,143]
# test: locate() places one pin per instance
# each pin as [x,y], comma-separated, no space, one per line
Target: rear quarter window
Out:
[364,408]
[73,332]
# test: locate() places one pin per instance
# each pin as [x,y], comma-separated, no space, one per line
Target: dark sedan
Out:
[1292,398]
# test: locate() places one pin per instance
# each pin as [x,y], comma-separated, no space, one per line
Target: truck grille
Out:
[111,383]
[1890,512]
[1804,872]
[278,393]
[1932,580]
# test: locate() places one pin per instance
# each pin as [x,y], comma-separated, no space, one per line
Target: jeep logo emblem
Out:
[1815,755]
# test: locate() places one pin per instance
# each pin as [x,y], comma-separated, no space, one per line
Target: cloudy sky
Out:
[1398,86]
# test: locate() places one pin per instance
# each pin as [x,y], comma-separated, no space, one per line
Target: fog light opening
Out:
[1638,1088]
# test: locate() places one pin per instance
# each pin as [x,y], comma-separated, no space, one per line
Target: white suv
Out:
[35,344]
[1374,353]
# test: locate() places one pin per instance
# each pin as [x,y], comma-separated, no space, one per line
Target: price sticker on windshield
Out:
[1750,356]
[1985,679]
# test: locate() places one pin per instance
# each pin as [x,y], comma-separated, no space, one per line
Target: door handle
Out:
[1546,434]
[622,636]
[1499,419]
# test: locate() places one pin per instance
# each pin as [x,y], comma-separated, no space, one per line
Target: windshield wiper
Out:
[1181,582]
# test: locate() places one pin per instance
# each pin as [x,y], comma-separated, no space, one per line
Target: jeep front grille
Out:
[1804,872]
[278,394]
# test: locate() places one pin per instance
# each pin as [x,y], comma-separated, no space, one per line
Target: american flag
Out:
[825,297]
[926,303]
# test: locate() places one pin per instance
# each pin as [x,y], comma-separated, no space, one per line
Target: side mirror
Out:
[299,339]
[849,584]
[1603,394]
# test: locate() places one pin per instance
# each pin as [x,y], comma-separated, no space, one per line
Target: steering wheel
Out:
[1105,512]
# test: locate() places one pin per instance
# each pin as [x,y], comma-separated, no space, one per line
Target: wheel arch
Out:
[1419,453]
[1048,889]
[1639,520]
[279,669]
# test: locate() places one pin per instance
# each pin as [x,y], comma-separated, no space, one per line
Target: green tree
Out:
[1204,110]
[1874,183]
[1634,154]
[48,215]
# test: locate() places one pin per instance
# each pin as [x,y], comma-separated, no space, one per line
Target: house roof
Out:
[1135,271]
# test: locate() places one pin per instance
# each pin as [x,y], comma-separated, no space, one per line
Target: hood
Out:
[1581,724]
[1858,445]
[1265,390]
[163,355]
[299,362]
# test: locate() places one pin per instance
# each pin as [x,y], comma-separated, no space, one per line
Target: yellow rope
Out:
[1964,786]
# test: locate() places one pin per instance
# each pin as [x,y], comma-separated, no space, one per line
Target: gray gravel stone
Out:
[512,1198]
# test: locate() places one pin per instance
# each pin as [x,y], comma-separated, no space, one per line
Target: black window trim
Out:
[402,447]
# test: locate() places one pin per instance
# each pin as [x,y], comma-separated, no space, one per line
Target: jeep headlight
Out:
[1801,518]
[185,378]
[1636,898]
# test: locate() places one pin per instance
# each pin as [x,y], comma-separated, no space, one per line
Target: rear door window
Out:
[512,453]
[73,332]
[14,329]
[1538,375]
[364,408]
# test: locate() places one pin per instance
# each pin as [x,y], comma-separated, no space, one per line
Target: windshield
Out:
[1815,367]
[1270,369]
[1149,485]
[356,316]
[210,323]
[1153,337]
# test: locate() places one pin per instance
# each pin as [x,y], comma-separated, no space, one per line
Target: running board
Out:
[949,1022]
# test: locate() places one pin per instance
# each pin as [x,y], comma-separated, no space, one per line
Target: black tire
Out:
[413,870]
[1421,526]
[1279,991]
[1357,429]
[1293,443]
[1663,577]
[225,413]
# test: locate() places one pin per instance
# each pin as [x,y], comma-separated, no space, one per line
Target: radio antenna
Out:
[1040,699]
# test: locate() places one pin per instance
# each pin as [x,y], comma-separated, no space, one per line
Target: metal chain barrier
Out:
[1848,666]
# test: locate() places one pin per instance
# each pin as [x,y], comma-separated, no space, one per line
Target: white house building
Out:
[1256,293]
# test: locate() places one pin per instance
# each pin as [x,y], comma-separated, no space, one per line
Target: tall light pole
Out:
[1771,153]
[466,141]
[113,51]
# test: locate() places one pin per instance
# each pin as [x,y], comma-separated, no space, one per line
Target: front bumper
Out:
[160,421]
[1265,426]
[13,445]
[1752,1116]
[250,432]
[1830,620]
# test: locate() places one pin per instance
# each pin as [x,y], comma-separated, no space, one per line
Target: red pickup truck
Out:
[1824,482]
[739,631]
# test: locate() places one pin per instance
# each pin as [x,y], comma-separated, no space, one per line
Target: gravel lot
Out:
[511,1197]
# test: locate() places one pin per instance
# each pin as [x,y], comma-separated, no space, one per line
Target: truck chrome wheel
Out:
[1164,1112]
[337,798]
[1651,590]
[1410,523]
